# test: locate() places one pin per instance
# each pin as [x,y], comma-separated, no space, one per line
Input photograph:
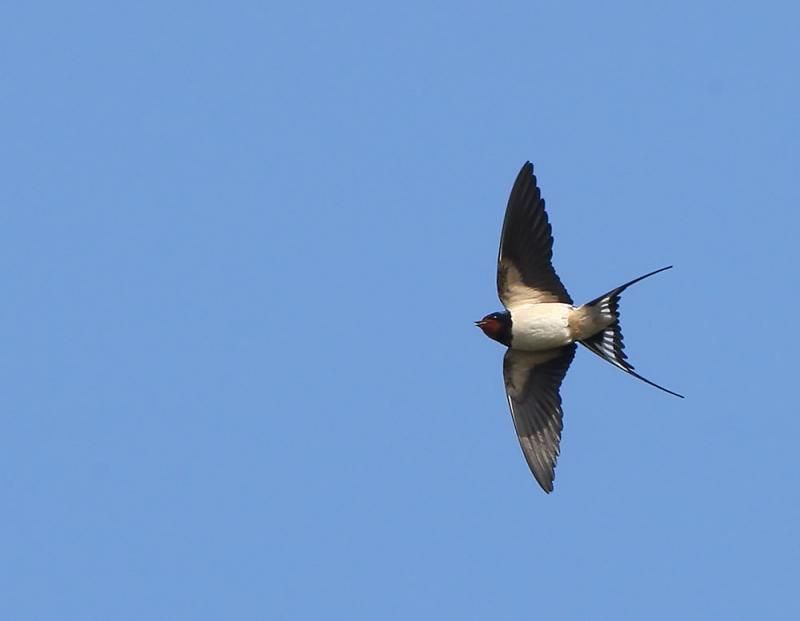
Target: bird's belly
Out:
[536,327]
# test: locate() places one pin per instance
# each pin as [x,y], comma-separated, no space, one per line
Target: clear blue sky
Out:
[241,250]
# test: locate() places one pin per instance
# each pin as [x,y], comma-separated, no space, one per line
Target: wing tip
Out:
[544,479]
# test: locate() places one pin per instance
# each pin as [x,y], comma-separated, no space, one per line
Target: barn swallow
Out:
[541,326]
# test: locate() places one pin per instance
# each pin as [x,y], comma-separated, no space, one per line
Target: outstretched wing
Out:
[524,269]
[533,380]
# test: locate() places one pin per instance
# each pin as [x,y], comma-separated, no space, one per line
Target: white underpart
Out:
[535,327]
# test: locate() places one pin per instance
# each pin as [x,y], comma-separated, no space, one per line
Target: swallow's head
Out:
[497,326]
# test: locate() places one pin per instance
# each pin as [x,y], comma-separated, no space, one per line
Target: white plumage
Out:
[536,327]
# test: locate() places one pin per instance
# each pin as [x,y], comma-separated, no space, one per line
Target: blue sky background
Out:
[241,249]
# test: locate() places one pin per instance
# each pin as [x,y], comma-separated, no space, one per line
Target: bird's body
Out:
[541,327]
[536,327]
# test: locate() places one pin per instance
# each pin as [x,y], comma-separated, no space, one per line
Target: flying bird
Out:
[540,326]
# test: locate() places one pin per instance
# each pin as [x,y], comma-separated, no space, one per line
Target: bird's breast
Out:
[536,327]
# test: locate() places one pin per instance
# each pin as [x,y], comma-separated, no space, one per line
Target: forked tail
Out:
[608,343]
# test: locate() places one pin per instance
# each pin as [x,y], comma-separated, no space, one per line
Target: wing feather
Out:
[525,272]
[533,381]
